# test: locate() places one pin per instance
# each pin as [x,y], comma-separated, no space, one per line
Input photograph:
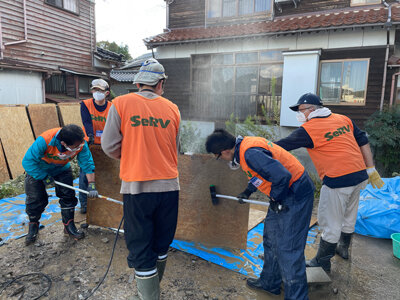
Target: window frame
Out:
[64,9]
[363,4]
[368,60]
[233,94]
[237,15]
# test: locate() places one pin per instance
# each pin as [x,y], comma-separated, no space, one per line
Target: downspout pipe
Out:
[25,30]
[392,90]
[2,45]
[388,25]
[1,41]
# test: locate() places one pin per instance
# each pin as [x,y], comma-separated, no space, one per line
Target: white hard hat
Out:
[100,83]
[150,72]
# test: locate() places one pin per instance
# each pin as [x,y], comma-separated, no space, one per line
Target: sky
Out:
[129,22]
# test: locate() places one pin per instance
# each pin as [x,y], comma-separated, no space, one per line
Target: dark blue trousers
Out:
[150,221]
[83,185]
[285,235]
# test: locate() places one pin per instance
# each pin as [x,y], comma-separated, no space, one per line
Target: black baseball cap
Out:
[308,98]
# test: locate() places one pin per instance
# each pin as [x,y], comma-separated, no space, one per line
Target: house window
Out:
[84,85]
[235,83]
[343,82]
[55,84]
[233,8]
[364,2]
[70,5]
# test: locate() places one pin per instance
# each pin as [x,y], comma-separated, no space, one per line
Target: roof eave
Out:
[156,44]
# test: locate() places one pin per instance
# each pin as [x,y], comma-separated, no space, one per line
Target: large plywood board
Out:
[100,211]
[43,117]
[224,224]
[70,113]
[107,173]
[16,136]
[4,175]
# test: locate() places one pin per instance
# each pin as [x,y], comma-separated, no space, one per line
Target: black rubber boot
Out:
[257,285]
[69,224]
[32,233]
[325,252]
[343,246]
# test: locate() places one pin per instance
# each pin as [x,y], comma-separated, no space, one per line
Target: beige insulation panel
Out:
[16,136]
[70,113]
[43,117]
[4,176]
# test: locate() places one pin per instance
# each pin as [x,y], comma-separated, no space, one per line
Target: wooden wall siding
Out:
[177,87]
[186,13]
[359,114]
[55,37]
[306,6]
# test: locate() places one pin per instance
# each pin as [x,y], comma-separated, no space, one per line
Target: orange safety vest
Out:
[336,152]
[98,119]
[285,158]
[149,128]
[51,154]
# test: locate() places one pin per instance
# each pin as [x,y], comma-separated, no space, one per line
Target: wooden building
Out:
[48,51]
[228,57]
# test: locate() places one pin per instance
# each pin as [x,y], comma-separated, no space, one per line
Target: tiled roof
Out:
[123,75]
[109,55]
[353,17]
[137,62]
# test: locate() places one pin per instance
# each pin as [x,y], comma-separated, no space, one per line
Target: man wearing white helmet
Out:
[94,113]
[142,132]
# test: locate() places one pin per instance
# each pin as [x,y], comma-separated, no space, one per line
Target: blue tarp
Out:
[379,210]
[246,262]
[13,219]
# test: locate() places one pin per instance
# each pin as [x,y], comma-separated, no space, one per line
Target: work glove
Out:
[48,180]
[91,139]
[93,193]
[374,178]
[243,195]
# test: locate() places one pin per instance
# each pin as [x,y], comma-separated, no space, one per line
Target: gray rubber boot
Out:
[342,248]
[325,252]
[148,287]
[161,268]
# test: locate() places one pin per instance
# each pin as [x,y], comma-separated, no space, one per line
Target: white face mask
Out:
[99,96]
[63,155]
[301,117]
[233,166]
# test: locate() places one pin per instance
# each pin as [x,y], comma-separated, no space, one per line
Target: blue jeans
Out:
[83,185]
[284,240]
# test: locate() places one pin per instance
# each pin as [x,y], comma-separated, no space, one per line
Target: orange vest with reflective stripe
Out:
[149,128]
[336,152]
[98,119]
[285,158]
[51,154]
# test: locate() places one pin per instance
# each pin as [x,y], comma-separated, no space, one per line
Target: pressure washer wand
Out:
[215,196]
[86,192]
